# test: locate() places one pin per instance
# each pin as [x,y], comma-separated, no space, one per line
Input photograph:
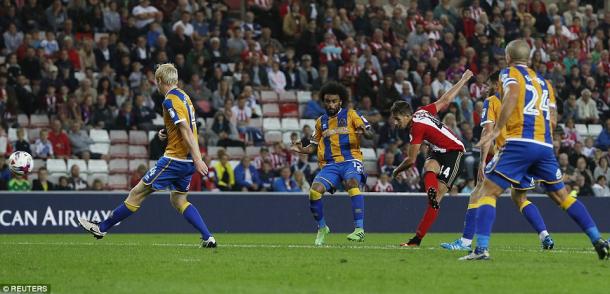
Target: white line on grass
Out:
[289,246]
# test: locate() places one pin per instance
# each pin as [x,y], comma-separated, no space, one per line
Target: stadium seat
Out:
[370,167]
[272,124]
[309,122]
[582,130]
[273,136]
[302,109]
[235,152]
[313,166]
[118,137]
[118,182]
[151,135]
[39,121]
[213,151]
[99,136]
[93,177]
[135,163]
[271,110]
[595,130]
[97,166]
[100,148]
[369,154]
[138,138]
[33,134]
[290,124]
[38,163]
[288,96]
[303,96]
[136,151]
[252,151]
[23,120]
[370,182]
[119,151]
[289,110]
[81,164]
[158,121]
[256,123]
[118,166]
[269,97]
[12,135]
[57,166]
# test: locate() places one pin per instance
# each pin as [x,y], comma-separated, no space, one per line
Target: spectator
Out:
[75,182]
[387,166]
[101,116]
[12,38]
[368,111]
[43,147]
[143,114]
[584,190]
[587,108]
[267,175]
[112,18]
[440,83]
[246,176]
[307,73]
[97,185]
[21,144]
[302,165]
[387,95]
[60,141]
[225,177]
[600,189]
[277,78]
[137,176]
[5,173]
[284,183]
[603,140]
[570,135]
[145,13]
[126,119]
[222,130]
[80,140]
[383,184]
[63,184]
[19,183]
[42,183]
[301,180]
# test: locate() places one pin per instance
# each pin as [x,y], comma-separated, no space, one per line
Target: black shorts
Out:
[450,163]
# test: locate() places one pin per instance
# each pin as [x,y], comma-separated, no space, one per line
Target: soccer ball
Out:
[21,163]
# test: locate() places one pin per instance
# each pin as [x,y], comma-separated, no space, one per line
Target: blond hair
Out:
[167,74]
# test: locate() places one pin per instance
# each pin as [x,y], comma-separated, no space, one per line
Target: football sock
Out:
[430,180]
[191,214]
[357,207]
[120,213]
[470,223]
[578,212]
[486,215]
[317,207]
[426,222]
[532,214]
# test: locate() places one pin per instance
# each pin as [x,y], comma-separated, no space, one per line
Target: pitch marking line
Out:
[290,246]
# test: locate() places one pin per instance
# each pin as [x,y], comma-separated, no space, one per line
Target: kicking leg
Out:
[357,199]
[191,214]
[127,208]
[532,214]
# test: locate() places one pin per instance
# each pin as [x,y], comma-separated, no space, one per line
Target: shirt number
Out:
[531,107]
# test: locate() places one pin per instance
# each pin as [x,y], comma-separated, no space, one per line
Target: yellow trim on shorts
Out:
[506,177]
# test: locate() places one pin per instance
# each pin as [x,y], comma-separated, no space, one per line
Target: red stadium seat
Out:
[289,109]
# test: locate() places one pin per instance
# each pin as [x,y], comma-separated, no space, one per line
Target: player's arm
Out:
[408,162]
[299,148]
[362,125]
[448,97]
[486,149]
[509,103]
[193,146]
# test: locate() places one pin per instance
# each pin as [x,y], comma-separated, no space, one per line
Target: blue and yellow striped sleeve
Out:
[317,133]
[358,120]
[176,108]
[507,77]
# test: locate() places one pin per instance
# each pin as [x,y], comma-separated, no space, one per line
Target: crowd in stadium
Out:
[88,65]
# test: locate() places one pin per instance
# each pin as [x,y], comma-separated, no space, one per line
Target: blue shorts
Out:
[170,174]
[521,164]
[331,175]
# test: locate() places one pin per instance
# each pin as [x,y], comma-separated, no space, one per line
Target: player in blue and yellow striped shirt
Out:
[336,139]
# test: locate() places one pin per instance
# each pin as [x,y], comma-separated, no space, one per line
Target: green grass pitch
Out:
[288,263]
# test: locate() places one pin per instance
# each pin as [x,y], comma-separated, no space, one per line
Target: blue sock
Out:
[578,212]
[532,214]
[191,214]
[317,210]
[118,214]
[358,210]
[486,215]
[470,223]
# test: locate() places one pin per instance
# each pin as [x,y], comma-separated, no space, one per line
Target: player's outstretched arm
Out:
[408,161]
[298,148]
[448,97]
[193,146]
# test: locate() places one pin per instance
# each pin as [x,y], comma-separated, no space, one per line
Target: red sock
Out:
[430,180]
[426,222]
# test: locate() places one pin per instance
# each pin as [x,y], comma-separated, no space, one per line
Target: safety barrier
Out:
[57,212]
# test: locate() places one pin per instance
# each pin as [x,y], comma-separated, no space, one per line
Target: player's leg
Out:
[124,210]
[357,199]
[316,206]
[191,214]
[532,215]
[465,242]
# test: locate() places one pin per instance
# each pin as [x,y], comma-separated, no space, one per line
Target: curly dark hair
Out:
[334,88]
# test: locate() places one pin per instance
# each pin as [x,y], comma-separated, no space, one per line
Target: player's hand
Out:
[467,75]
[297,147]
[481,173]
[488,138]
[201,167]
[162,134]
[395,174]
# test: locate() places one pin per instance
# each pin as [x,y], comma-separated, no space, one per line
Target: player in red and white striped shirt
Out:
[443,162]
